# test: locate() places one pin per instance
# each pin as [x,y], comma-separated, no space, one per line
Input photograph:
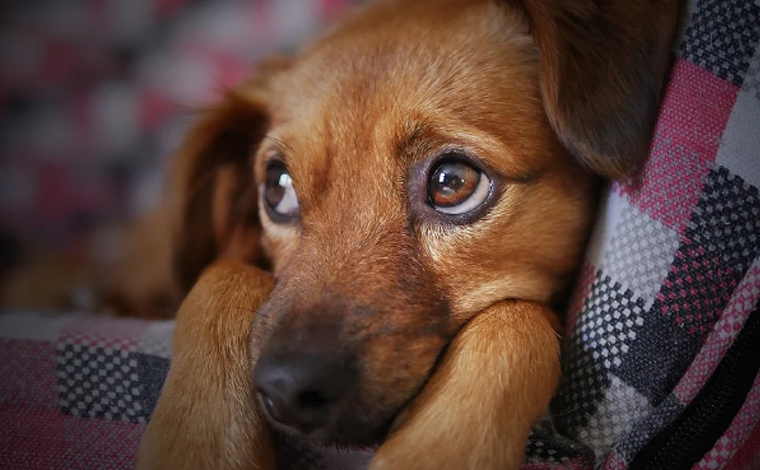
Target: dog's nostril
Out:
[312,399]
[268,403]
[279,411]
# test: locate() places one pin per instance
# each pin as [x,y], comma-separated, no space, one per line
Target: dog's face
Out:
[400,175]
[407,181]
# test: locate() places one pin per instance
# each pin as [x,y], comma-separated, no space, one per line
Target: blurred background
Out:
[95,95]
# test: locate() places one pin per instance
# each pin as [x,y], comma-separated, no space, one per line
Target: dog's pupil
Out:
[275,185]
[455,182]
[451,177]
[451,183]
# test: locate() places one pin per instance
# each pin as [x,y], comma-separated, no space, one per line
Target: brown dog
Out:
[414,180]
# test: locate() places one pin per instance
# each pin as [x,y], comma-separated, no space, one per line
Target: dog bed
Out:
[662,349]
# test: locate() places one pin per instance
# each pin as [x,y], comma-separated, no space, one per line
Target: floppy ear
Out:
[602,64]
[214,196]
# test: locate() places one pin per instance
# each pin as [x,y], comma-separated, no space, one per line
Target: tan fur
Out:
[49,281]
[206,416]
[139,282]
[482,375]
[449,323]
[121,269]
[213,423]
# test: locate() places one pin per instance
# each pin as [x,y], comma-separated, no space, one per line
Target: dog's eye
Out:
[279,193]
[456,187]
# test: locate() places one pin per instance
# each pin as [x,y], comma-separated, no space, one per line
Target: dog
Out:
[374,232]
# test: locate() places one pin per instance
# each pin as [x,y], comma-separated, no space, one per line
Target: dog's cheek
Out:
[524,249]
[400,355]
[265,322]
[279,242]
[463,259]
[394,368]
[397,346]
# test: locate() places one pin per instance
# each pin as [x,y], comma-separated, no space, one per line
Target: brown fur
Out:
[448,325]
[224,429]
[122,269]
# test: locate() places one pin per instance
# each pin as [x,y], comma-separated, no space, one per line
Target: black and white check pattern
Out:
[99,383]
[722,37]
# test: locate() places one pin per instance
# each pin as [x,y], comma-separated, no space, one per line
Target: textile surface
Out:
[96,94]
[671,278]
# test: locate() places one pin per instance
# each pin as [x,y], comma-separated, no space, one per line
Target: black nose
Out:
[301,390]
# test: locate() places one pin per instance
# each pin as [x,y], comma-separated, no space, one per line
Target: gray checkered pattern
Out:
[608,324]
[640,253]
[99,383]
[615,416]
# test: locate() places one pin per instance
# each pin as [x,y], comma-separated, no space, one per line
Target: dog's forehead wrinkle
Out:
[369,143]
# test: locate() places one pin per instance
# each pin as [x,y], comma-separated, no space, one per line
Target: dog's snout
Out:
[301,390]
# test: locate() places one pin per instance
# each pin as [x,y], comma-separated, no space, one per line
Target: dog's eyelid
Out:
[270,154]
[478,158]
[509,177]
[527,177]
[262,159]
[274,159]
[272,148]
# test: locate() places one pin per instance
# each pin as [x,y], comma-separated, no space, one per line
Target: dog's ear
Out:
[602,64]
[213,194]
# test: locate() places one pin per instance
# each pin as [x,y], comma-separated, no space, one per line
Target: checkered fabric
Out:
[672,273]
[76,391]
[95,94]
[671,279]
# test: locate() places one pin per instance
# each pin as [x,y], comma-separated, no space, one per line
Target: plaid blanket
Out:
[661,355]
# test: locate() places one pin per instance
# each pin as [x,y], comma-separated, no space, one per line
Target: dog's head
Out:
[420,162]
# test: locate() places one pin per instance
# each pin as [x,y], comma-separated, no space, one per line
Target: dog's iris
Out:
[456,187]
[279,193]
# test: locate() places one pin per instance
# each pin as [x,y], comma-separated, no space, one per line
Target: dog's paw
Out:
[207,416]
[476,410]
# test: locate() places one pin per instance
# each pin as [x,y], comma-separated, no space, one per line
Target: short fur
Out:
[447,325]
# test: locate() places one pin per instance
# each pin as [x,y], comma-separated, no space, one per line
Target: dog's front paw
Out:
[439,439]
[207,416]
[476,411]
